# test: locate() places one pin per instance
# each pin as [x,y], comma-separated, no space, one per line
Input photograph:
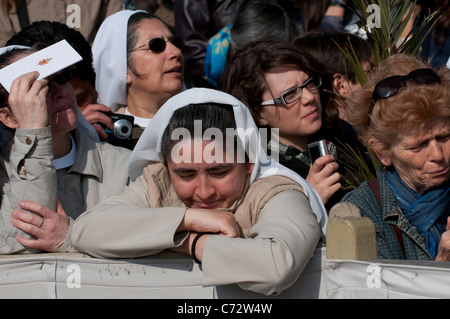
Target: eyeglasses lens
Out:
[61,78]
[158,45]
[178,42]
[424,76]
[311,84]
[390,86]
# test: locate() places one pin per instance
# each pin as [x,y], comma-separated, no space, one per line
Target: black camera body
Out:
[123,129]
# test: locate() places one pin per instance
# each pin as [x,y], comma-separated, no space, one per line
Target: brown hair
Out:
[5,60]
[405,113]
[245,72]
[326,47]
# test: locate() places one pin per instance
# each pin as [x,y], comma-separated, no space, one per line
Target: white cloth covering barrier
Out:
[175,276]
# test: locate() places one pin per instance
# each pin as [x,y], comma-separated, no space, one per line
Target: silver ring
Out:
[42,222]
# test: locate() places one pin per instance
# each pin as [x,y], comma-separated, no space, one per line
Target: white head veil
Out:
[109,52]
[12,47]
[148,148]
[83,124]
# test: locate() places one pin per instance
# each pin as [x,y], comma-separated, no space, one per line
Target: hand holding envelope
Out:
[26,79]
[29,96]
[47,62]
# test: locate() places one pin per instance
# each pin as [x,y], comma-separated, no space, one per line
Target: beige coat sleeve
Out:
[123,226]
[32,177]
[277,250]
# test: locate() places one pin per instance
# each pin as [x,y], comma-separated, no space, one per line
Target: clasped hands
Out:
[214,221]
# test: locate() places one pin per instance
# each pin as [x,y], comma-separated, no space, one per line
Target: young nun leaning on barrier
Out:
[247,220]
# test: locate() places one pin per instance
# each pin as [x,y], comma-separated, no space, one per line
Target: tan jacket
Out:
[281,231]
[85,16]
[27,173]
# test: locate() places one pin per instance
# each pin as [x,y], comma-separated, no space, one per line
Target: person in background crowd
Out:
[286,89]
[139,66]
[408,128]
[197,195]
[328,48]
[257,20]
[196,21]
[85,16]
[436,47]
[51,171]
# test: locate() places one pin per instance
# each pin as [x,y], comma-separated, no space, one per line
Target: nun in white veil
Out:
[280,214]
[135,80]
[148,149]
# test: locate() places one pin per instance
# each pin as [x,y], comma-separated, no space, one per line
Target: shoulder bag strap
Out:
[398,233]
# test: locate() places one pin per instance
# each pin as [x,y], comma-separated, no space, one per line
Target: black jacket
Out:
[196,22]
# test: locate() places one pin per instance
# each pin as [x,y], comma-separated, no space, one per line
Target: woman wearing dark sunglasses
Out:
[139,65]
[403,115]
[50,171]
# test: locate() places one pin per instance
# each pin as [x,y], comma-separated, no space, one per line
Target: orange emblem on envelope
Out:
[45,61]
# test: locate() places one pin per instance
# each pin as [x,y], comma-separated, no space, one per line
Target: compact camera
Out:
[123,129]
[317,149]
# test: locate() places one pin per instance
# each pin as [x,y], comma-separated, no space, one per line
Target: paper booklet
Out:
[47,61]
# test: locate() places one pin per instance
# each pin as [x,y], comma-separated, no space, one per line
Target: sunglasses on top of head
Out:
[391,85]
[158,45]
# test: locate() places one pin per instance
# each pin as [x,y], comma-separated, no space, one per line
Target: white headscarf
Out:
[84,126]
[12,47]
[148,148]
[109,52]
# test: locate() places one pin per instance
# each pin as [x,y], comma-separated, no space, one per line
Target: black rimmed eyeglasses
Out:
[294,94]
[390,86]
[158,45]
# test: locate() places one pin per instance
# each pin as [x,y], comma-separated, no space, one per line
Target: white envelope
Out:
[47,61]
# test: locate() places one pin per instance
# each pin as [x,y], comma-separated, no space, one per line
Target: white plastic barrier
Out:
[176,276]
[165,276]
[386,279]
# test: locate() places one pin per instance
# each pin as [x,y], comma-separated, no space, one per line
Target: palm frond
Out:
[384,22]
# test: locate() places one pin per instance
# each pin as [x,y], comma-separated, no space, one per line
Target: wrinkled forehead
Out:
[431,129]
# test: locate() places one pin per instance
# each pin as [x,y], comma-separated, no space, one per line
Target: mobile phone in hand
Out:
[317,149]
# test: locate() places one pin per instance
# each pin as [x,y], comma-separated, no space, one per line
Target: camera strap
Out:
[22,13]
[373,184]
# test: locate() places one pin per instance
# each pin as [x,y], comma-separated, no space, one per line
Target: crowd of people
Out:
[223,104]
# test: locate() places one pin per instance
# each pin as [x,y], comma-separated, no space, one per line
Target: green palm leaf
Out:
[384,22]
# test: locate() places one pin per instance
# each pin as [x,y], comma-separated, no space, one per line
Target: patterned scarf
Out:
[217,55]
[422,211]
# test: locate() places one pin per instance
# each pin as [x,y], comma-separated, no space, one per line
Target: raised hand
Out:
[28,101]
[324,177]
